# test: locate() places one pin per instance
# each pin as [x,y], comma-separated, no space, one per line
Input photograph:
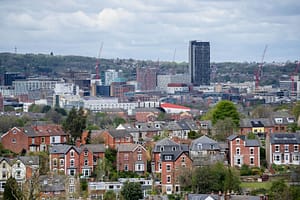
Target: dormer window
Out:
[161,148]
[168,157]
[174,148]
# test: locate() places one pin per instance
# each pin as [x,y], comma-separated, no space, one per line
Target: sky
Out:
[238,30]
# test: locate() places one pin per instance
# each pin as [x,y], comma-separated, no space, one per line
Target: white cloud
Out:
[151,29]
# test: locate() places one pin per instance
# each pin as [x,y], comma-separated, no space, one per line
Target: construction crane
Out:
[98,62]
[293,78]
[258,73]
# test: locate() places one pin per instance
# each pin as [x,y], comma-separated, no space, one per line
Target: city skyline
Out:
[155,30]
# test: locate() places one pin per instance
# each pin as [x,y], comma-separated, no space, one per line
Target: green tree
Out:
[75,123]
[262,111]
[12,190]
[232,181]
[279,190]
[224,128]
[296,110]
[118,120]
[109,195]
[225,109]
[132,191]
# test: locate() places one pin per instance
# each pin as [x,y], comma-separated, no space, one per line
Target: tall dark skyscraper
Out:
[199,62]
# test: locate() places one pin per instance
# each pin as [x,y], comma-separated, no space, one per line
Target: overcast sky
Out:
[237,30]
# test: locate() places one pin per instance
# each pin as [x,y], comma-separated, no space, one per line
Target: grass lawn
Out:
[256,185]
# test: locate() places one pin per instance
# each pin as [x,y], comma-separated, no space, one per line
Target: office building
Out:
[146,78]
[199,63]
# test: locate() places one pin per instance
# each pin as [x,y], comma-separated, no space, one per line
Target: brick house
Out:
[21,168]
[33,138]
[283,149]
[132,157]
[172,164]
[164,145]
[112,138]
[72,160]
[261,126]
[65,159]
[146,114]
[243,151]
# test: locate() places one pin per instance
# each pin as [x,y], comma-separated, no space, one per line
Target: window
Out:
[14,131]
[86,162]
[4,165]
[276,158]
[168,168]
[238,151]
[72,153]
[71,189]
[53,139]
[61,162]
[139,149]
[71,181]
[168,157]
[55,162]
[159,166]
[72,172]
[43,139]
[168,179]
[32,140]
[251,161]
[139,156]
[251,151]
[13,140]
[295,158]
[126,167]
[183,159]
[277,149]
[86,153]
[126,156]
[86,172]
[286,148]
[18,174]
[18,164]
[237,141]
[3,174]
[238,161]
[296,148]
[72,163]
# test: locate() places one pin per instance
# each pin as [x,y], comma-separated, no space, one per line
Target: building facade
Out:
[199,62]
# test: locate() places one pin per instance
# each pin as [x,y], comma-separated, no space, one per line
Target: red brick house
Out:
[112,138]
[146,114]
[283,149]
[34,138]
[132,157]
[72,160]
[172,164]
[243,151]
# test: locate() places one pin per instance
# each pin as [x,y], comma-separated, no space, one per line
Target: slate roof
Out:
[259,122]
[61,149]
[54,183]
[95,148]
[167,145]
[128,147]
[217,197]
[183,125]
[285,138]
[30,160]
[174,155]
[202,196]
[206,143]
[248,142]
[119,133]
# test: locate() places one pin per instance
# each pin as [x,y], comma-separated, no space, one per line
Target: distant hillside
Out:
[52,65]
